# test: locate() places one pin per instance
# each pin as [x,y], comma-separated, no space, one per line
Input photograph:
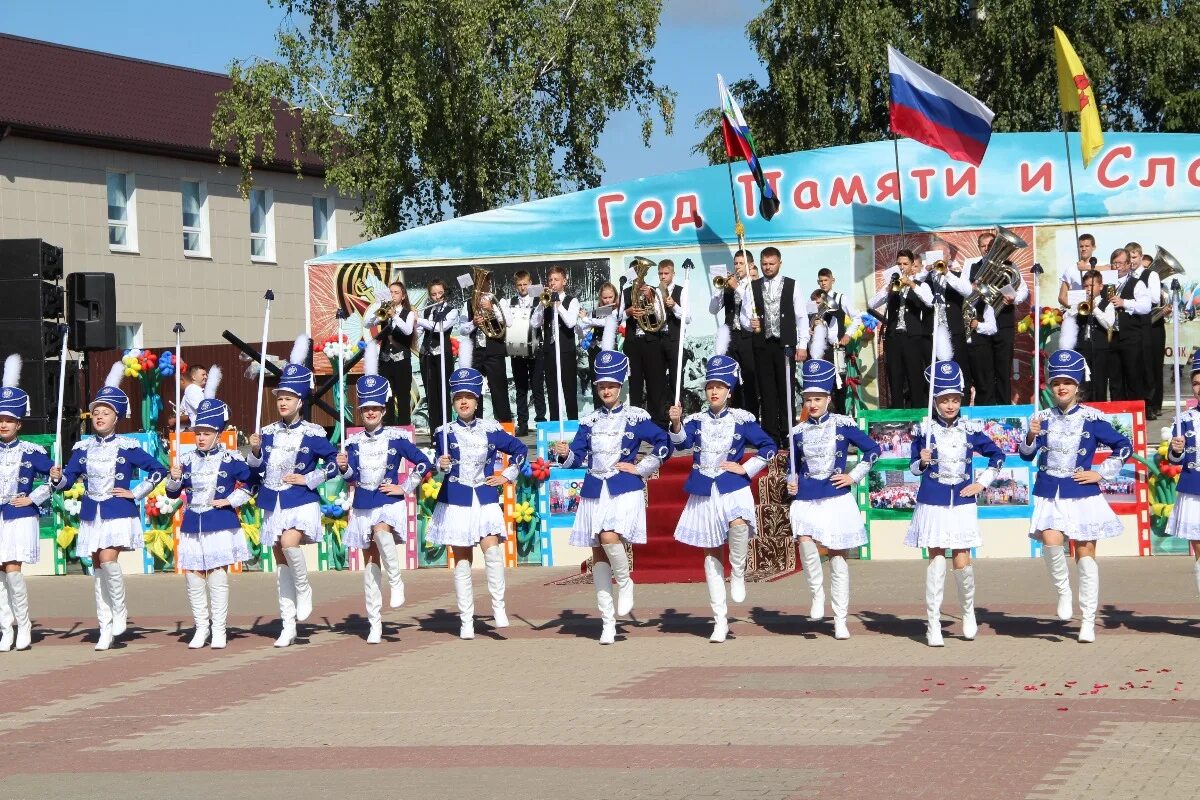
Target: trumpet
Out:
[721,281]
[939,267]
[1084,309]
[385,311]
[546,299]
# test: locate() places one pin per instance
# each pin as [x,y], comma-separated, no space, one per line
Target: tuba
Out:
[493,324]
[1167,267]
[994,275]
[650,322]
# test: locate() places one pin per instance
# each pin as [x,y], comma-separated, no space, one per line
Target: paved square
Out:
[540,709]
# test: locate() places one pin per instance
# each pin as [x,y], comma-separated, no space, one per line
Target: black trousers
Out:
[647,376]
[1129,363]
[1096,354]
[435,390]
[1002,357]
[398,374]
[1156,344]
[570,381]
[906,357]
[979,354]
[670,351]
[741,347]
[775,366]
[494,368]
[529,379]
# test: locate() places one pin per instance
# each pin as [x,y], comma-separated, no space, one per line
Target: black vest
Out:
[671,329]
[631,326]
[918,317]
[1092,334]
[1006,317]
[566,333]
[394,342]
[787,311]
[1125,320]
[427,337]
[484,345]
[954,311]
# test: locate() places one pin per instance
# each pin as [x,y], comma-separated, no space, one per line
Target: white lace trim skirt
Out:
[834,521]
[212,549]
[1184,522]
[124,534]
[625,514]
[305,518]
[465,526]
[20,541]
[950,527]
[1084,519]
[358,531]
[705,520]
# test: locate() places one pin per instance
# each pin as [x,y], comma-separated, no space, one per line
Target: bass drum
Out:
[520,338]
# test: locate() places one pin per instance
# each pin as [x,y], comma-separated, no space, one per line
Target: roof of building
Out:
[60,93]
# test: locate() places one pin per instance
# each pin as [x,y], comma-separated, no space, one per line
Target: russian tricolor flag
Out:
[927,107]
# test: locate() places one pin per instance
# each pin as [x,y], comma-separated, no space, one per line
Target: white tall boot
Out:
[618,561]
[287,605]
[1056,562]
[19,596]
[965,578]
[389,556]
[493,567]
[714,576]
[303,589]
[7,633]
[602,578]
[739,548]
[935,584]
[218,594]
[114,581]
[464,592]
[103,610]
[374,602]
[810,557]
[197,592]
[1089,598]
[1196,570]
[839,590]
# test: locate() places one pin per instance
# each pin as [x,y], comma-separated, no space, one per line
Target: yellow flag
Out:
[1076,96]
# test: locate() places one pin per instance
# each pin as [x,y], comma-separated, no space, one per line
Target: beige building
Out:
[109,158]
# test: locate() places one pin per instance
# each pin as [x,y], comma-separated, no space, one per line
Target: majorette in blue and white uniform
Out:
[822,512]
[378,519]
[720,505]
[613,501]
[211,537]
[21,464]
[468,510]
[944,519]
[109,523]
[292,448]
[1184,522]
[1070,434]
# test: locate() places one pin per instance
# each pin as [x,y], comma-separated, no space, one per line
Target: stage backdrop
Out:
[840,210]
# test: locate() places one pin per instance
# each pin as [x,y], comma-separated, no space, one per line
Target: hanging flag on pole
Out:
[930,109]
[740,144]
[1076,96]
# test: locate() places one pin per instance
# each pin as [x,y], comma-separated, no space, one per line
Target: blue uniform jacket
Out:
[1189,477]
[608,437]
[209,476]
[105,464]
[374,458]
[21,463]
[1067,445]
[475,451]
[951,469]
[820,449]
[292,448]
[716,438]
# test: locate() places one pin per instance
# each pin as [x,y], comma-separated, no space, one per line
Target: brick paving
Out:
[781,710]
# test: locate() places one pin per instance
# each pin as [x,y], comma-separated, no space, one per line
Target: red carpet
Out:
[662,559]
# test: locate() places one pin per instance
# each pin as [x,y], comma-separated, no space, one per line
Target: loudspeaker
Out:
[39,379]
[30,258]
[34,339]
[92,310]
[30,297]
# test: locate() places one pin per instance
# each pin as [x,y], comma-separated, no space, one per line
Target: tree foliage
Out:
[826,64]
[423,107]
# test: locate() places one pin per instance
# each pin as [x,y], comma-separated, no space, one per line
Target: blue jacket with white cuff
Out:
[950,469]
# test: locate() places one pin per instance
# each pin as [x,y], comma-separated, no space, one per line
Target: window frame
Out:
[330,240]
[268,236]
[130,223]
[202,231]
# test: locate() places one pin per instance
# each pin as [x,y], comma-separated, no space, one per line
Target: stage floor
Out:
[540,709]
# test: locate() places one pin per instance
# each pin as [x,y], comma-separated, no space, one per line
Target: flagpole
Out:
[1070,172]
[899,190]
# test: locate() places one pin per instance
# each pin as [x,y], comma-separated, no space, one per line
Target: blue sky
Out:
[697,38]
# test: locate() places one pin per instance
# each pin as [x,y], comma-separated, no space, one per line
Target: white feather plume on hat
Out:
[214,382]
[371,357]
[115,373]
[12,371]
[299,350]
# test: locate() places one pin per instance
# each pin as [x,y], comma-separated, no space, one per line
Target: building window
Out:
[195,218]
[324,239]
[262,225]
[122,212]
[129,335]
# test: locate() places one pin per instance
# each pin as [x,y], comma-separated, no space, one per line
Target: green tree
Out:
[826,64]
[423,107]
